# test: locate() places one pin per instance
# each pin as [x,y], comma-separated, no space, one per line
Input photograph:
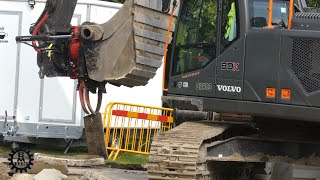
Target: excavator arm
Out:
[127,50]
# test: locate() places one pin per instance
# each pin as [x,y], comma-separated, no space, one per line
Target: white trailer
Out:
[50,108]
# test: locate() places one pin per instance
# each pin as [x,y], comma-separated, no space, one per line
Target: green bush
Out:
[314,3]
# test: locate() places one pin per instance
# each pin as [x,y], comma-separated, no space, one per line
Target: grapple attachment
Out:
[127,50]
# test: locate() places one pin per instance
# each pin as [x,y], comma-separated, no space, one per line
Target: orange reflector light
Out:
[285,94]
[271,92]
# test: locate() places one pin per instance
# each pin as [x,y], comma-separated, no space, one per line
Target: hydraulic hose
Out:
[37,28]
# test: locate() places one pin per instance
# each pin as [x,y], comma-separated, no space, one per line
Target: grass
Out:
[81,152]
[129,158]
[5,149]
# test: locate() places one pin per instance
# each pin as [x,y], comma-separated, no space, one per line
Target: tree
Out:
[314,3]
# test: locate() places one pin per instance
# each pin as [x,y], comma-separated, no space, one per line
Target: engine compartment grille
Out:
[306,63]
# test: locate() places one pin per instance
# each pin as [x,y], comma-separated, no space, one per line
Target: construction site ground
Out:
[87,173]
[127,166]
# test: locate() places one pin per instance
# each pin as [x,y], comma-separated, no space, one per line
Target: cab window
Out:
[230,26]
[195,45]
[259,13]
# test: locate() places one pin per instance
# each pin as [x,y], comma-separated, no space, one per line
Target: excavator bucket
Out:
[128,49]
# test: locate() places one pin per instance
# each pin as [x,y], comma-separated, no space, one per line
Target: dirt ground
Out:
[112,174]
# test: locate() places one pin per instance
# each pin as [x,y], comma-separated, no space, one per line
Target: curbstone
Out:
[71,162]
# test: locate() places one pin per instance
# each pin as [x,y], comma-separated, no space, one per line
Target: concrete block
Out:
[39,165]
[22,177]
[93,176]
[50,174]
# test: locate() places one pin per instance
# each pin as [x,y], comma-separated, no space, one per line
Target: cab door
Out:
[230,61]
[194,50]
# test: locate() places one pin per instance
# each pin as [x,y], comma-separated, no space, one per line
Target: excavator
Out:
[243,78]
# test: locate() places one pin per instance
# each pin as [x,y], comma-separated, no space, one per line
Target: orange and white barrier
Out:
[131,127]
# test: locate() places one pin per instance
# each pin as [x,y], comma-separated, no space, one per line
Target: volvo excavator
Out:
[243,77]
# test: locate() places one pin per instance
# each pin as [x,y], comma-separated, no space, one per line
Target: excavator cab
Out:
[246,57]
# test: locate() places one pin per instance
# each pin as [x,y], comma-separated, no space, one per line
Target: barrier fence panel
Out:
[131,127]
